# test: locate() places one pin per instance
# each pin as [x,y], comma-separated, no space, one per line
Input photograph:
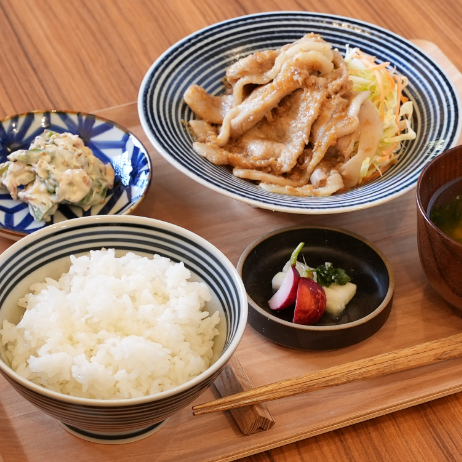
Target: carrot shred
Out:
[369,62]
[369,178]
[380,66]
[390,150]
[390,79]
[375,174]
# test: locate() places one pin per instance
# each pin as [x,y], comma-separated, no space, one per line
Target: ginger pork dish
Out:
[304,120]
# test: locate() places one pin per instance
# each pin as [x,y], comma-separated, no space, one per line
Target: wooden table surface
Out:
[92,54]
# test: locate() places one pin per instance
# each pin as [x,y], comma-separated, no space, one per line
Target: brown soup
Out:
[445,209]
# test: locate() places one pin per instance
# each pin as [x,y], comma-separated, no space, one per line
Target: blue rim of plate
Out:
[109,141]
[202,57]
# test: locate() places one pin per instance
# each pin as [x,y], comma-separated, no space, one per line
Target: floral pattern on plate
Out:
[108,141]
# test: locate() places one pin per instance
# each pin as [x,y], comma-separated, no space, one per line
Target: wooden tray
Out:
[418,315]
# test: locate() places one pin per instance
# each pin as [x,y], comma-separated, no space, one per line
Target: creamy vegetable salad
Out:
[57,168]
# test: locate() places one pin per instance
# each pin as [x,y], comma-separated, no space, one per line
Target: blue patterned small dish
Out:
[202,59]
[108,141]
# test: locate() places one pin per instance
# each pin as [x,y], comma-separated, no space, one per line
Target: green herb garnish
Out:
[326,275]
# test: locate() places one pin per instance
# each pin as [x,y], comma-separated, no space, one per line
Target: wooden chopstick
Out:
[376,366]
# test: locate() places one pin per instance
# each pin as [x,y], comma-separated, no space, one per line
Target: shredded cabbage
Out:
[385,86]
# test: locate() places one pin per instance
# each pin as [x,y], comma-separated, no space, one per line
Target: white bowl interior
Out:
[46,254]
[13,313]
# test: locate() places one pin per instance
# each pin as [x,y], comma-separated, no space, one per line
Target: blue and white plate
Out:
[203,57]
[108,141]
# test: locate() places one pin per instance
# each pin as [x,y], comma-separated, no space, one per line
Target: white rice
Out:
[113,328]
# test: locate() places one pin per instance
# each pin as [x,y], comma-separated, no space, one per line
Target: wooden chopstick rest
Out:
[250,419]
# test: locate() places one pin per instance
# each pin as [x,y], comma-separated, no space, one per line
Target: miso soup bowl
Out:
[440,256]
[45,253]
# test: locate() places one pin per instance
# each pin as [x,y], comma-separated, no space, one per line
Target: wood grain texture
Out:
[375,366]
[90,55]
[87,55]
[249,419]
[419,315]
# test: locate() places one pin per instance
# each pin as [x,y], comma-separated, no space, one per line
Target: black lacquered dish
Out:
[365,264]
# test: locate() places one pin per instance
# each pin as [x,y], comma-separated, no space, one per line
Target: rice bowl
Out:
[113,328]
[46,254]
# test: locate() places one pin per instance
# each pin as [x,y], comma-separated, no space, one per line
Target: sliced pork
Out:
[289,120]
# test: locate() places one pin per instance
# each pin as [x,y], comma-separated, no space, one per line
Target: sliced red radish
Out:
[311,302]
[287,293]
